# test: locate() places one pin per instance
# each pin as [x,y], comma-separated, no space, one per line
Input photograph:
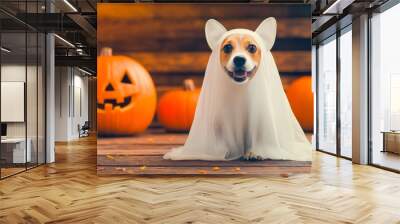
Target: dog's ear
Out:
[214,30]
[267,31]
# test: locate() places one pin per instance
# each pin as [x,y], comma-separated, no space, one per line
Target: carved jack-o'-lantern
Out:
[126,97]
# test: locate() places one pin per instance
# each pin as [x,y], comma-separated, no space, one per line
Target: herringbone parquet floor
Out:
[69,191]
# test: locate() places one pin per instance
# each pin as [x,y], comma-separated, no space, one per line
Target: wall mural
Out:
[208,89]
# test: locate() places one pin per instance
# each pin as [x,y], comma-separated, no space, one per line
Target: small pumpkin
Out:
[126,96]
[301,100]
[176,108]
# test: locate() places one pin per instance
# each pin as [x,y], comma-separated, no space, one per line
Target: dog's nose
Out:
[239,61]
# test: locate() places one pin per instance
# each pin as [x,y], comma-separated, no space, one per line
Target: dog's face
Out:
[240,56]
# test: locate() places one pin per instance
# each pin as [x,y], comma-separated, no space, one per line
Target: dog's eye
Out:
[228,48]
[252,48]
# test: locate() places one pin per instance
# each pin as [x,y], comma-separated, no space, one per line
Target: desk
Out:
[15,148]
[391,141]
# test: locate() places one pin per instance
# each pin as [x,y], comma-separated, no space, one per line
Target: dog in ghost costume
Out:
[242,110]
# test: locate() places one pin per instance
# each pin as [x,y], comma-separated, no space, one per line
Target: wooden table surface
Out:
[142,154]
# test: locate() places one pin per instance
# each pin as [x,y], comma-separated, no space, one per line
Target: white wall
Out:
[33,127]
[71,94]
[12,73]
[61,103]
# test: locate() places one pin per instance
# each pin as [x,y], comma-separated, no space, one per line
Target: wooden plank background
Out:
[169,39]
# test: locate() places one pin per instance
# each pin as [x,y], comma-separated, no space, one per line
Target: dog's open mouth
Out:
[240,75]
[114,103]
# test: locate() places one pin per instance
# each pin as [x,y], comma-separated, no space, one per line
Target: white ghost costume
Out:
[233,119]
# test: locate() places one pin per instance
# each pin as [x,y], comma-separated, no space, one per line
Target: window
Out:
[346,93]
[22,78]
[334,106]
[327,96]
[385,89]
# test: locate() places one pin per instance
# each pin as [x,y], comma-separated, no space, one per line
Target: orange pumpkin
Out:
[301,100]
[126,96]
[176,108]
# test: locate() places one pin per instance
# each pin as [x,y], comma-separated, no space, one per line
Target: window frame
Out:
[333,37]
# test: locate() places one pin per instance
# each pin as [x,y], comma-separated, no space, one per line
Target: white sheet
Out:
[232,119]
